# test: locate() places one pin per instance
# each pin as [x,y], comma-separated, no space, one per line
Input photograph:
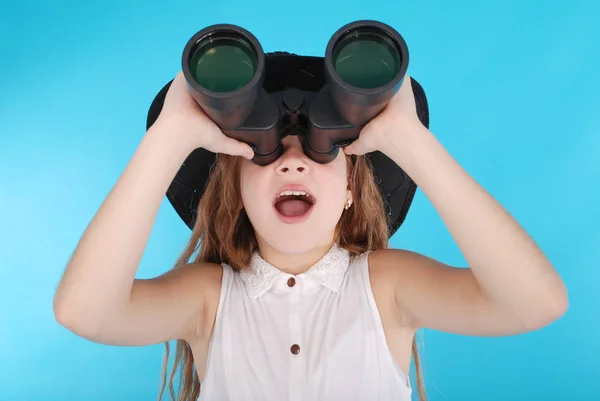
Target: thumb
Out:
[354,148]
[237,148]
[348,150]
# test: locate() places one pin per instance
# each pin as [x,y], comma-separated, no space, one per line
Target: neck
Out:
[293,263]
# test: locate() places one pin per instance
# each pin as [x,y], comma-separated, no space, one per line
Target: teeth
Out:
[293,193]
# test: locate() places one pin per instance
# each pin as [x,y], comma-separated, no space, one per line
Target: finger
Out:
[179,80]
[237,148]
[405,90]
[355,148]
[407,83]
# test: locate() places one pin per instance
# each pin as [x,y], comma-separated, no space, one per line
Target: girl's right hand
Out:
[187,118]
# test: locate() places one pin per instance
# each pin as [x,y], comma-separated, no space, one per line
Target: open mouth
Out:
[293,204]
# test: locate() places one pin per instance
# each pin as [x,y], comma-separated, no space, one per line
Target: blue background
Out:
[513,88]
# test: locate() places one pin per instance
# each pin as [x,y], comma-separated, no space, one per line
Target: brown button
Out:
[295,349]
[291,282]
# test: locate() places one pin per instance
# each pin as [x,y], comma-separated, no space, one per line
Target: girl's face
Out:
[294,203]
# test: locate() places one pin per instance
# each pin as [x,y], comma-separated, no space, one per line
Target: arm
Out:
[509,287]
[98,297]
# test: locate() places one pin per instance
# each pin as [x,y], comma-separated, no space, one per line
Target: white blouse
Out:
[308,337]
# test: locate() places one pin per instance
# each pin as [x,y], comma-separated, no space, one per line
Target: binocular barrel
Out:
[224,65]
[365,64]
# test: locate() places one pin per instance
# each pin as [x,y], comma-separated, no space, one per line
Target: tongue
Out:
[292,207]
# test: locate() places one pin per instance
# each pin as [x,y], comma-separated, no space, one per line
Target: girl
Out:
[294,294]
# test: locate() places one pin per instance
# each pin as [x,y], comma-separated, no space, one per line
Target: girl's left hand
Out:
[396,120]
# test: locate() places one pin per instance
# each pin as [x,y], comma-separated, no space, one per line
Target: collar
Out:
[329,271]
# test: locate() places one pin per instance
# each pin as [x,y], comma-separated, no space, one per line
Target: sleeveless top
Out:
[316,336]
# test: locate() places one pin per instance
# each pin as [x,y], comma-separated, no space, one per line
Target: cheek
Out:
[252,191]
[336,193]
[334,187]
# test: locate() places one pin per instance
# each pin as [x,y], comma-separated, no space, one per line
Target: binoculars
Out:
[224,66]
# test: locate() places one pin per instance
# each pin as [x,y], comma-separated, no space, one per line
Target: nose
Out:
[293,160]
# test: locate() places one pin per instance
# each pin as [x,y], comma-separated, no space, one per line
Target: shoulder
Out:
[385,273]
[202,282]
[403,264]
[197,280]
[197,274]
[387,268]
[392,264]
[410,281]
[430,294]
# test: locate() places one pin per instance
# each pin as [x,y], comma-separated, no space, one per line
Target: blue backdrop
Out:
[513,89]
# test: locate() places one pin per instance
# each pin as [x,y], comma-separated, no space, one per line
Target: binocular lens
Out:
[366,59]
[224,68]
[365,65]
[223,64]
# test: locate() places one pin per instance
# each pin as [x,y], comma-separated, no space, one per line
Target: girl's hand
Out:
[398,119]
[192,126]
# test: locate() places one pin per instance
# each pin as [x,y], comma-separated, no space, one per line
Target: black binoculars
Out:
[365,65]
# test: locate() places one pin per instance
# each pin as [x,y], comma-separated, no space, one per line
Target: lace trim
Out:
[328,271]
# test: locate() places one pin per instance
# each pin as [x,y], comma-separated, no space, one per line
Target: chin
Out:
[295,238]
[291,244]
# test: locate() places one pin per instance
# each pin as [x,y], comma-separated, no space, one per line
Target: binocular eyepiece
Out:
[224,66]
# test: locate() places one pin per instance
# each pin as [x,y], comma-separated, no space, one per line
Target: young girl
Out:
[275,307]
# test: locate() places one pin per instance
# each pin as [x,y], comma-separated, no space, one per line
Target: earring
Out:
[347,205]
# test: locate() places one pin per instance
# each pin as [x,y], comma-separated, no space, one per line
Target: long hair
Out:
[221,217]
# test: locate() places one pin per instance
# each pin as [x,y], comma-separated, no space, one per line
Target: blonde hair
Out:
[223,234]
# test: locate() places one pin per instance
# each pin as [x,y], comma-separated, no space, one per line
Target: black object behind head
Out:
[289,82]
[284,70]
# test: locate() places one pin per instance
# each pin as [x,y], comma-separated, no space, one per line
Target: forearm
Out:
[98,279]
[508,265]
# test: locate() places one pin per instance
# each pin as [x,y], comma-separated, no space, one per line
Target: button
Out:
[295,349]
[291,282]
